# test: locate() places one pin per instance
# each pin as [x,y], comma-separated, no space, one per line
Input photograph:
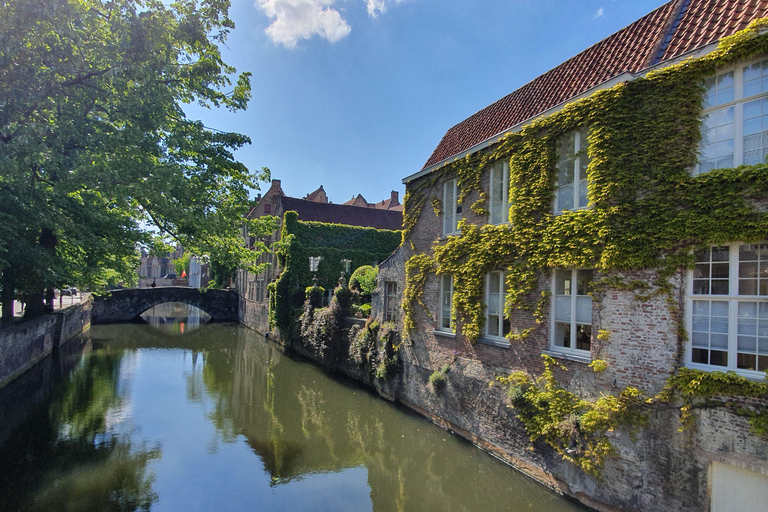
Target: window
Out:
[451,207]
[572,318]
[390,301]
[446,299]
[573,158]
[735,121]
[496,322]
[267,208]
[727,310]
[499,193]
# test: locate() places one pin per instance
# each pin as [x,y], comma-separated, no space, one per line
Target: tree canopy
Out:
[96,152]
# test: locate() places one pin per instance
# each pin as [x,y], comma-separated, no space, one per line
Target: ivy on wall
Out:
[300,240]
[646,210]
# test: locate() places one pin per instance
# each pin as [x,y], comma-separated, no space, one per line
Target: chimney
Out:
[394,199]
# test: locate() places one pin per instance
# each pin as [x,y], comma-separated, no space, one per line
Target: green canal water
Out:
[187,417]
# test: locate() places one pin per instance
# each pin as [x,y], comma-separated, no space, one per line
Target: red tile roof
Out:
[672,30]
[344,214]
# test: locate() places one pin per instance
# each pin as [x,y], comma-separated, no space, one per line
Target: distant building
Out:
[386,214]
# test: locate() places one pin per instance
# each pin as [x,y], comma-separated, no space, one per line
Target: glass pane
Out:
[718,341]
[493,304]
[719,287]
[582,194]
[720,270]
[583,336]
[563,282]
[493,282]
[562,308]
[700,356]
[746,361]
[584,278]
[700,339]
[718,358]
[562,335]
[584,310]
[493,325]
[747,344]
[565,198]
[719,308]
[721,253]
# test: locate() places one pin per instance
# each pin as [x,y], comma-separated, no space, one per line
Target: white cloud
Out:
[301,19]
[376,7]
[599,13]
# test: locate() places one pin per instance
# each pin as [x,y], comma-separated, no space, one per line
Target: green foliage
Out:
[301,240]
[577,429]
[375,348]
[181,265]
[437,378]
[321,330]
[646,210]
[344,296]
[314,295]
[365,309]
[696,388]
[95,145]
[363,279]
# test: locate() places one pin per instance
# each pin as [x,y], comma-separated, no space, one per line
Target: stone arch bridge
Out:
[126,305]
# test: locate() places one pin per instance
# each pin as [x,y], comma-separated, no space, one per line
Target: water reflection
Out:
[221,420]
[176,317]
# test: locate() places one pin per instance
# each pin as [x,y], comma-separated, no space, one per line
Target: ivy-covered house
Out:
[596,244]
[363,235]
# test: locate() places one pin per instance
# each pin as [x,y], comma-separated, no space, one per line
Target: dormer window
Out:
[734,127]
[267,208]
[499,188]
[572,161]
[451,207]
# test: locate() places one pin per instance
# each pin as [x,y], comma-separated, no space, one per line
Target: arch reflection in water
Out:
[176,317]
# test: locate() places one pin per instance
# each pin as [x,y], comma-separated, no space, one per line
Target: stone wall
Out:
[27,343]
[125,305]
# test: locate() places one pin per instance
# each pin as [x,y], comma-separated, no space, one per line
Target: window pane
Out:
[493,325]
[564,198]
[562,335]
[563,282]
[583,336]
[584,310]
[563,308]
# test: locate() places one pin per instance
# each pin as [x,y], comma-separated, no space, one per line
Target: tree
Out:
[97,153]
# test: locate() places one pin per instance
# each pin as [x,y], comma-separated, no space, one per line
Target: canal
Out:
[216,418]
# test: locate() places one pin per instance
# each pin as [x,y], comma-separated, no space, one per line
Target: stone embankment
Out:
[25,344]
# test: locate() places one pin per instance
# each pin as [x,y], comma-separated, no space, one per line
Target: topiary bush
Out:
[363,279]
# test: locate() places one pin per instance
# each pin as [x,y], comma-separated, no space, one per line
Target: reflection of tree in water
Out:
[300,423]
[69,457]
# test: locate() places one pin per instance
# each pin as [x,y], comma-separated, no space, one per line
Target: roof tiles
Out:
[344,214]
[673,29]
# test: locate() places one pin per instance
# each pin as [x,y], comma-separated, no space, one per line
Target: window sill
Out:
[570,356]
[748,374]
[500,342]
[444,334]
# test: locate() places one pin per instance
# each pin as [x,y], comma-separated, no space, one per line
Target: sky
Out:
[354,95]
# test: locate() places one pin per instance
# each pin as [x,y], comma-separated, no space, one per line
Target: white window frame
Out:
[451,207]
[580,160]
[573,321]
[499,277]
[733,299]
[445,304]
[391,304]
[737,103]
[499,209]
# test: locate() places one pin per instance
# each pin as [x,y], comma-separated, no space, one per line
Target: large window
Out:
[735,121]
[446,299]
[572,316]
[499,211]
[496,322]
[451,207]
[391,304]
[572,161]
[727,310]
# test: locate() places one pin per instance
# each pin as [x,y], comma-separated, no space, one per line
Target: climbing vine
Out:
[576,428]
[646,210]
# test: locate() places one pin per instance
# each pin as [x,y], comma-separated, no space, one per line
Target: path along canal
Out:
[131,417]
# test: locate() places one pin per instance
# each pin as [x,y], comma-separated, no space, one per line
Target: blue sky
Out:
[355,94]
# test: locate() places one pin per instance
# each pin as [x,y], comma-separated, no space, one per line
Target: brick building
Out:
[313,207]
[520,195]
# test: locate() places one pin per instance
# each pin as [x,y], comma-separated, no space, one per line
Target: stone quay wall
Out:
[27,343]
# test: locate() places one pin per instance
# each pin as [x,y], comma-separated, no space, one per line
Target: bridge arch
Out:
[125,305]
